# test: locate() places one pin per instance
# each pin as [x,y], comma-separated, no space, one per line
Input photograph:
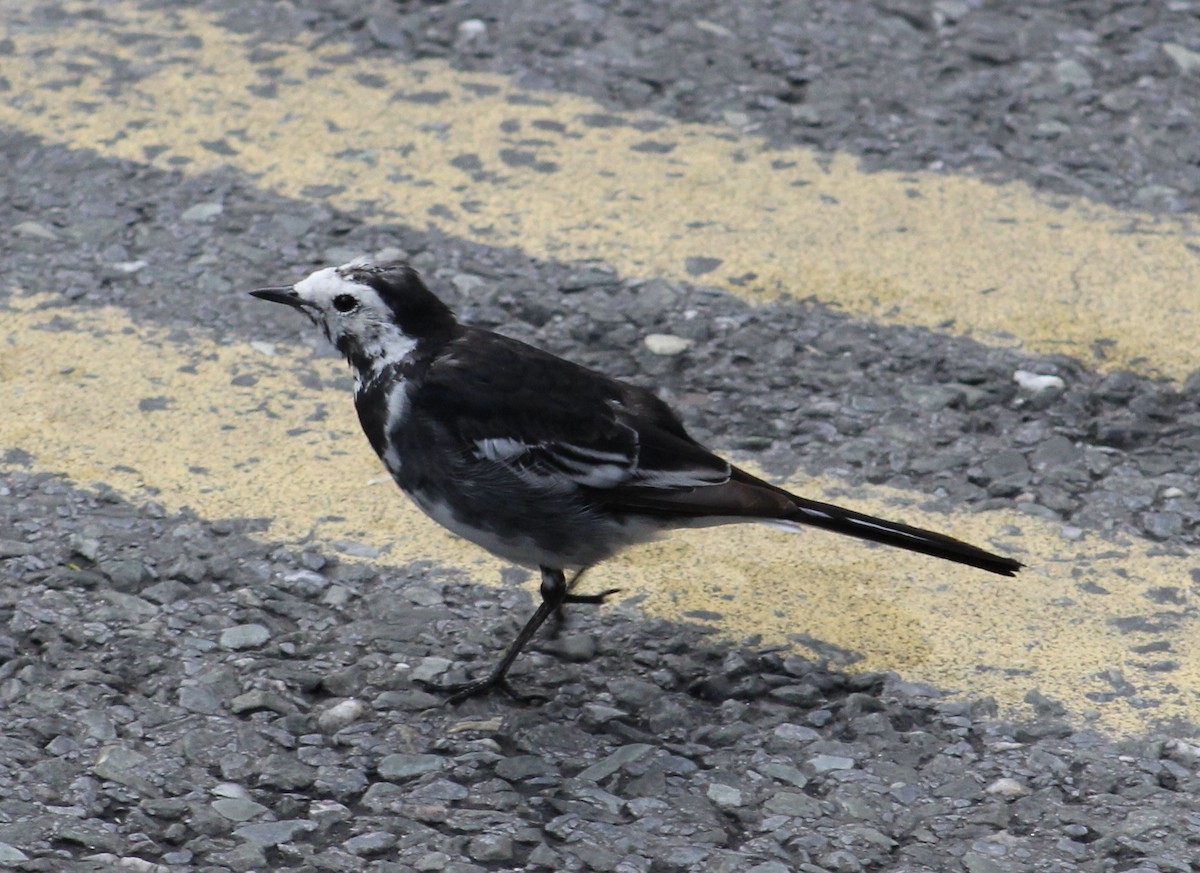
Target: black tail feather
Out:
[893,533]
[747,498]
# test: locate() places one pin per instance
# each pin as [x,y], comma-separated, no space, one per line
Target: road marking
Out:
[560,177]
[233,432]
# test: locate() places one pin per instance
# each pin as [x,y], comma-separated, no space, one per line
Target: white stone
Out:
[202,212]
[1006,786]
[466,284]
[34,229]
[11,854]
[666,344]
[713,27]
[340,715]
[472,28]
[1187,60]
[1037,383]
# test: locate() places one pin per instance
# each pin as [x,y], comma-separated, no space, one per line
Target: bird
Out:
[543,462]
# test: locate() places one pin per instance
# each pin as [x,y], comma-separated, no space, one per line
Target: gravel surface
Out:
[176,692]
[1095,98]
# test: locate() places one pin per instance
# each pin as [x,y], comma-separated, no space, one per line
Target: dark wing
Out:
[561,426]
[557,424]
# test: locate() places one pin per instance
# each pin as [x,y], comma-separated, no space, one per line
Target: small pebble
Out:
[828,763]
[340,715]
[372,843]
[724,796]
[34,229]
[202,212]
[244,636]
[472,28]
[1007,787]
[487,848]
[238,809]
[1038,384]
[399,767]
[666,344]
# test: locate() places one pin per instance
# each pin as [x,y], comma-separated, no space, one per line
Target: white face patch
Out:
[368,324]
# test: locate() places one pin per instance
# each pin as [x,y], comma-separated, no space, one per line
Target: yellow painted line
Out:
[423,143]
[227,448]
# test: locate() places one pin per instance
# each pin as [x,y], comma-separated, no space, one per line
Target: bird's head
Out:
[374,314]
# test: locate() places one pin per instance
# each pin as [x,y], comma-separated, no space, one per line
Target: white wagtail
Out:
[540,461]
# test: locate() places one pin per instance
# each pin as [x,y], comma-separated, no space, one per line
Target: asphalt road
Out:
[931,260]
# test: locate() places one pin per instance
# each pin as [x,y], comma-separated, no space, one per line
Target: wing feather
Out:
[557,424]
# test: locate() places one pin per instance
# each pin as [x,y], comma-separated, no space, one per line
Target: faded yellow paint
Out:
[994,262]
[228,449]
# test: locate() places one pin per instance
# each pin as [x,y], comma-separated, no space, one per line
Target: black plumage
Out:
[539,460]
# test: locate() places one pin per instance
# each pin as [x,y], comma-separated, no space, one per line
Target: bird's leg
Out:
[554,593]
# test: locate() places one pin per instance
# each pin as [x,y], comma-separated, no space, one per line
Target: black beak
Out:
[279,295]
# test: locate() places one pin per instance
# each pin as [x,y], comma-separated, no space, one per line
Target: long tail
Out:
[893,533]
[743,497]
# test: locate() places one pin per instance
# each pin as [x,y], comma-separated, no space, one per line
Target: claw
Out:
[591,598]
[457,692]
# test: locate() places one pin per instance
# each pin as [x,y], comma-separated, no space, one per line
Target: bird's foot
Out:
[591,598]
[457,692]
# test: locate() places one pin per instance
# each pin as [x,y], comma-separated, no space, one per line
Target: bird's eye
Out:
[344,302]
